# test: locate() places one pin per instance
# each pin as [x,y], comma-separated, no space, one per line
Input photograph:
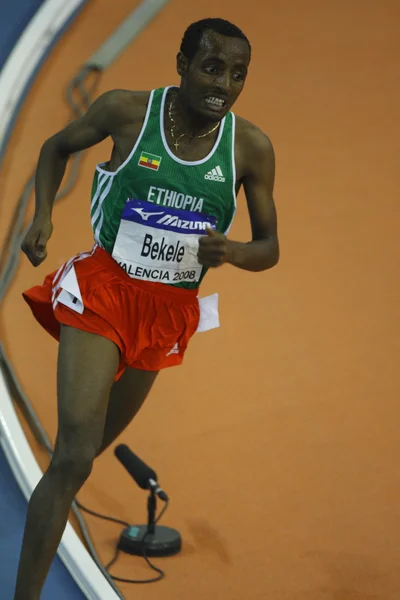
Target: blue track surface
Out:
[59,585]
[15,16]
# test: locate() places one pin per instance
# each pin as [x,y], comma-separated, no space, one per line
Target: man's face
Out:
[214,79]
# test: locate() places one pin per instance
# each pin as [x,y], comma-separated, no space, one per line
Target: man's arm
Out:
[258,182]
[100,120]
[263,251]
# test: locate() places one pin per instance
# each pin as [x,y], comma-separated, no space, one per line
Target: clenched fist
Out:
[35,241]
[214,249]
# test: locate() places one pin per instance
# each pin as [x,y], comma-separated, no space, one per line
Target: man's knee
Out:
[72,461]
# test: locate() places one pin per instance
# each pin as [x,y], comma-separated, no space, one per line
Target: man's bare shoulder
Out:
[252,138]
[123,106]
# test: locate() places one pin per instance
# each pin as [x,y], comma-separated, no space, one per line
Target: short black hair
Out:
[194,34]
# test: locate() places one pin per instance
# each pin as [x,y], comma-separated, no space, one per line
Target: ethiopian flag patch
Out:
[151,161]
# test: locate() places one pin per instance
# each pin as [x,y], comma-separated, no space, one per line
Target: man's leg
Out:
[126,398]
[87,365]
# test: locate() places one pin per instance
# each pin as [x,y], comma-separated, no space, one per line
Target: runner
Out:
[161,211]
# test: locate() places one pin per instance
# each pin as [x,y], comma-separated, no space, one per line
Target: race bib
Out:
[159,243]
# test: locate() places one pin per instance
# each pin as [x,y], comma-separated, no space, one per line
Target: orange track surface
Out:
[278,440]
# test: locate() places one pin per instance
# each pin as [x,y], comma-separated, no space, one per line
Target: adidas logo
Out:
[215,175]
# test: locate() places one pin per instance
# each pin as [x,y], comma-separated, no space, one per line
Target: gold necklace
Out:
[176,144]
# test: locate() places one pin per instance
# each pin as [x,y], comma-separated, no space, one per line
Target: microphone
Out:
[144,476]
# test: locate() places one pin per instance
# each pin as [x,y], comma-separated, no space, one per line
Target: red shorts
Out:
[151,323]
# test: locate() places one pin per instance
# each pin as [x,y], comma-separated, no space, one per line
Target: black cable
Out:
[161,573]
[99,516]
[162,512]
[122,580]
[117,550]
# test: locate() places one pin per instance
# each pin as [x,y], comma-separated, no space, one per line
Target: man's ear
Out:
[181,64]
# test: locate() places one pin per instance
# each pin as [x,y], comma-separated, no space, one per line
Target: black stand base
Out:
[163,542]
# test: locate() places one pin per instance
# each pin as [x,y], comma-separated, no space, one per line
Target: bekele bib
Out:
[159,243]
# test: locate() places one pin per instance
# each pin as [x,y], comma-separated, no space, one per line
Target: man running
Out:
[161,209]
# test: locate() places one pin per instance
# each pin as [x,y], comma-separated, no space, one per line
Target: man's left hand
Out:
[214,249]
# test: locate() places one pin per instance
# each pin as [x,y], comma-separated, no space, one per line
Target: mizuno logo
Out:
[174,221]
[215,175]
[146,215]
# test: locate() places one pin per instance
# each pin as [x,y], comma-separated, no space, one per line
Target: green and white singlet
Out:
[150,213]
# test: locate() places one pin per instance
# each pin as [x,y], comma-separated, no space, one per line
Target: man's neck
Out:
[185,120]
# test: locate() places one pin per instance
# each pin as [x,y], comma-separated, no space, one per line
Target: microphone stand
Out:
[164,541]
[151,512]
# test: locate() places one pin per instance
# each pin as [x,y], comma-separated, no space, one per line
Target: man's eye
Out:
[238,76]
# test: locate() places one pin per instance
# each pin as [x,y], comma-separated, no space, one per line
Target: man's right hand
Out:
[35,241]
